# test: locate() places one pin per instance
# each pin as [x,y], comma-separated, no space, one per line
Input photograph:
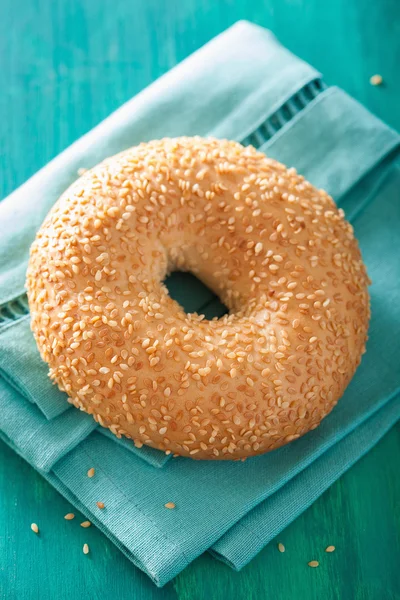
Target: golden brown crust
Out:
[276,250]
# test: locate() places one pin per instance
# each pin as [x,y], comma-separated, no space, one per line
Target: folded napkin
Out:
[243,85]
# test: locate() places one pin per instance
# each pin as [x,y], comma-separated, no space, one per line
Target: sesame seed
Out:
[313,563]
[281,547]
[170,505]
[91,472]
[100,504]
[35,528]
[69,516]
[85,549]
[86,524]
[330,549]
[376,80]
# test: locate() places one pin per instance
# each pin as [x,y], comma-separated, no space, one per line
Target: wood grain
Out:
[64,66]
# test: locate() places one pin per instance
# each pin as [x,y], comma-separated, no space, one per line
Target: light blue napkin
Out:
[242,85]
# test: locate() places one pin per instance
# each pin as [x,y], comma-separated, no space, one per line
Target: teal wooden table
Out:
[64,66]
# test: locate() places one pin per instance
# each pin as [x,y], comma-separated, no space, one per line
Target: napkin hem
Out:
[383,169]
[151,524]
[298,87]
[55,481]
[17,385]
[7,324]
[157,464]
[304,464]
[347,466]
[62,489]
[392,145]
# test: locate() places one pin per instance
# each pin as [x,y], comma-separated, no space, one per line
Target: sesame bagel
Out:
[276,250]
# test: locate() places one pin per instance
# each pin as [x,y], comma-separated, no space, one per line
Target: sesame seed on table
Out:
[57,56]
[69,517]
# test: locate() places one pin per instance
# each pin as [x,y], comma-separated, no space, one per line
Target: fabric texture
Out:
[253,90]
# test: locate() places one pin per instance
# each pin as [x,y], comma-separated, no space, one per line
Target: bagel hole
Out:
[194,296]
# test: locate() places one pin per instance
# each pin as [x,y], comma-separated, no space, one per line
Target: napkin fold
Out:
[242,85]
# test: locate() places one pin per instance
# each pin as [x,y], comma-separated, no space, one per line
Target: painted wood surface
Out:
[64,66]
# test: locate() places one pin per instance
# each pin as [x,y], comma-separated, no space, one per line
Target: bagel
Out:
[277,251]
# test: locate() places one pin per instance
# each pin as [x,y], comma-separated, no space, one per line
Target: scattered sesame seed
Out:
[281,547]
[69,516]
[100,504]
[170,505]
[330,549]
[376,80]
[85,549]
[91,472]
[86,524]
[35,528]
[313,563]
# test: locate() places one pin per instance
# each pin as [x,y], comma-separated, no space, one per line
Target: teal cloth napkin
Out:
[243,85]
